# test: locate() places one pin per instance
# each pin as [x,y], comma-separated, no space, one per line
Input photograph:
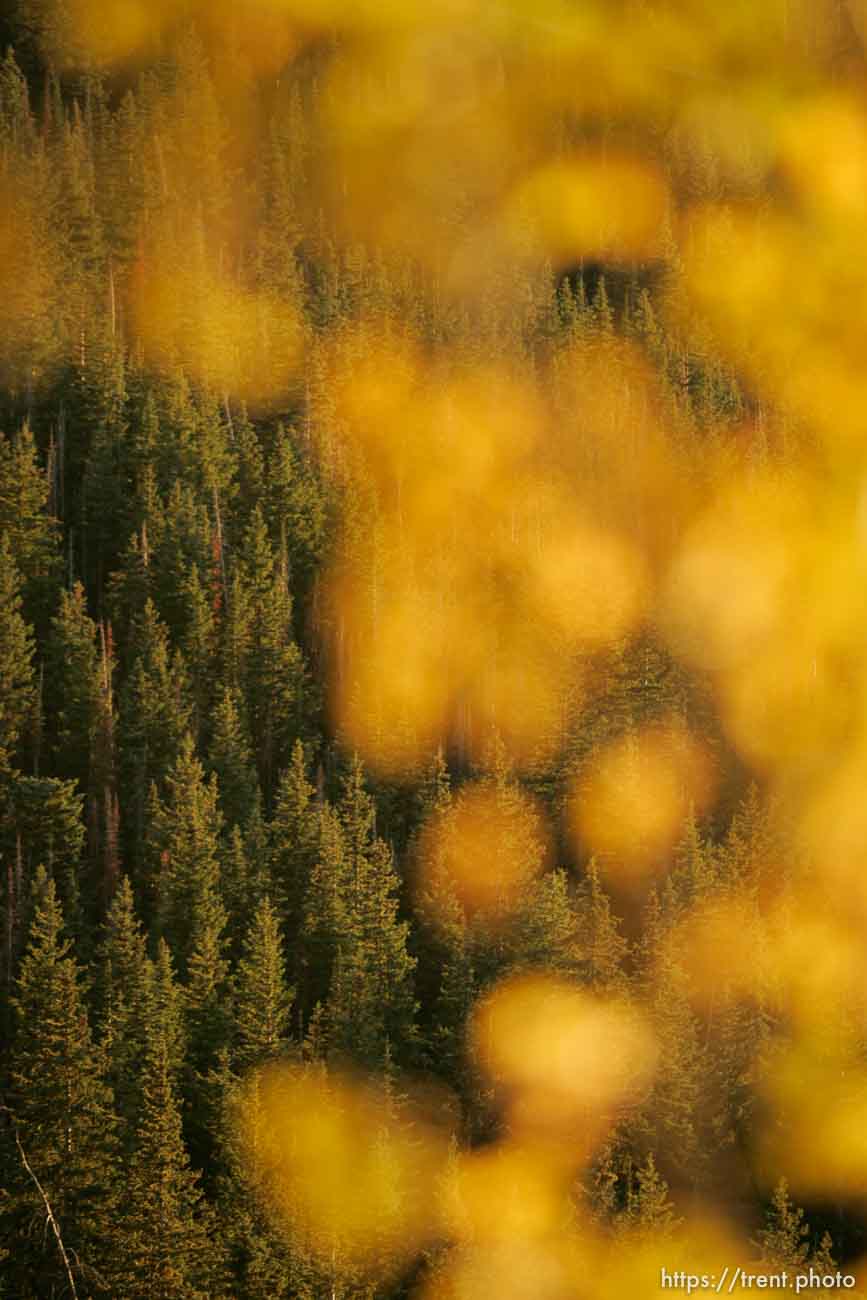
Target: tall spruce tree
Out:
[231,759]
[41,824]
[603,949]
[171,1251]
[74,687]
[16,658]
[263,1000]
[31,531]
[184,836]
[295,837]
[371,1006]
[123,994]
[274,676]
[323,915]
[154,715]
[61,1110]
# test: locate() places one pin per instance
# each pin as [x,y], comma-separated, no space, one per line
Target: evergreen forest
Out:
[433,679]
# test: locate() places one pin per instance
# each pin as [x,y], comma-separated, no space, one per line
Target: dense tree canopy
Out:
[431,621]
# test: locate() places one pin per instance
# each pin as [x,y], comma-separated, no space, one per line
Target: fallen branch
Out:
[55,1227]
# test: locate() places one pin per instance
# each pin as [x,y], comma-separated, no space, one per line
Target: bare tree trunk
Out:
[112,298]
[55,1227]
[219,522]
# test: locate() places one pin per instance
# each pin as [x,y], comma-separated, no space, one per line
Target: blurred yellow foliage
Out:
[766,591]
[631,807]
[723,146]
[490,571]
[771,284]
[28,275]
[562,1060]
[186,312]
[503,1195]
[824,150]
[602,207]
[818,1095]
[724,949]
[339,1167]
[480,852]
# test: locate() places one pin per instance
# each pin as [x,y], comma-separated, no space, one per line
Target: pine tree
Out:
[199,619]
[274,677]
[41,824]
[103,815]
[231,760]
[16,658]
[602,314]
[178,450]
[263,1000]
[129,589]
[434,793]
[257,848]
[208,1015]
[694,872]
[784,1240]
[648,1210]
[755,846]
[183,838]
[170,1249]
[439,910]
[74,687]
[154,715]
[458,990]
[323,914]
[30,332]
[246,875]
[16,120]
[370,1009]
[124,993]
[182,546]
[602,946]
[250,468]
[206,992]
[105,506]
[545,930]
[743,867]
[62,1111]
[261,1264]
[164,1013]
[295,837]
[257,558]
[236,643]
[540,925]
[674,1110]
[296,509]
[25,522]
[144,440]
